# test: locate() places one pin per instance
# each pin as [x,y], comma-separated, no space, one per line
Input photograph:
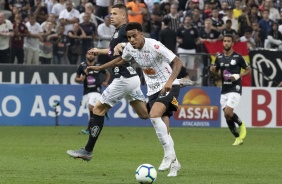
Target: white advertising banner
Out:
[259,107]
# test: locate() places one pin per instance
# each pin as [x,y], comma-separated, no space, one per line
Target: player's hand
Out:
[94,51]
[82,77]
[212,68]
[90,68]
[167,87]
[105,84]
[118,49]
[235,77]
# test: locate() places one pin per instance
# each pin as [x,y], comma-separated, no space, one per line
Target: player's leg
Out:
[140,108]
[231,104]
[230,123]
[160,106]
[175,166]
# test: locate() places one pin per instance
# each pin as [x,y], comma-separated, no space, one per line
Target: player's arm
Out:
[243,64]
[113,63]
[214,68]
[108,76]
[177,64]
[99,51]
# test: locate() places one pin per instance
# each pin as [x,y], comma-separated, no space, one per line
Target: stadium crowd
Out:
[61,32]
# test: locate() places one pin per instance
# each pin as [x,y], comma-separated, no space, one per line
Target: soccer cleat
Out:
[238,141]
[242,131]
[174,168]
[185,82]
[166,162]
[81,153]
[85,132]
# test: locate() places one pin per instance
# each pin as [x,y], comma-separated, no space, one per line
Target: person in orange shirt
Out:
[135,11]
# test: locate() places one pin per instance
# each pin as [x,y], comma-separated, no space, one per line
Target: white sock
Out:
[161,132]
[171,143]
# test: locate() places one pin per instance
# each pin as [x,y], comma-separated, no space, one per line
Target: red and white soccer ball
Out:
[146,173]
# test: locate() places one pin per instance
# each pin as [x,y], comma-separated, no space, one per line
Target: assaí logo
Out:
[196,105]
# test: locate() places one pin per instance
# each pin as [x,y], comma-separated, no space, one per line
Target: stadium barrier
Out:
[36,105]
[260,107]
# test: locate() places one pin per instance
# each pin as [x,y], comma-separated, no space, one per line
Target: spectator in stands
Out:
[93,18]
[244,21]
[174,17]
[49,5]
[192,4]
[217,23]
[274,38]
[207,11]
[40,11]
[197,21]
[187,38]
[23,5]
[167,36]
[17,41]
[258,35]
[265,23]
[59,42]
[75,38]
[215,4]
[273,12]
[15,11]
[90,31]
[208,34]
[253,15]
[228,30]
[58,8]
[6,31]
[237,10]
[248,39]
[68,17]
[229,16]
[136,11]
[102,7]
[156,20]
[51,18]
[45,46]
[31,41]
[81,6]
[105,33]
[224,9]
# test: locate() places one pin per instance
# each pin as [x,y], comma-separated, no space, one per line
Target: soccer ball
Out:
[146,173]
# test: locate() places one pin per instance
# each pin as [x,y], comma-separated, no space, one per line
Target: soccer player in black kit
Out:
[230,63]
[126,84]
[92,83]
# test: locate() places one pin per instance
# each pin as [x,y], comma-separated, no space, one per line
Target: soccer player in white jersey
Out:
[163,87]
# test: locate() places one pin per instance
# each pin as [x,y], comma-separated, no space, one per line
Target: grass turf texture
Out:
[38,155]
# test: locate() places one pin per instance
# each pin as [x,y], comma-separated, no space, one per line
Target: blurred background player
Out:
[230,64]
[92,83]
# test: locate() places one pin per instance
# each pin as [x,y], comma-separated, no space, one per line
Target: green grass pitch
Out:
[37,155]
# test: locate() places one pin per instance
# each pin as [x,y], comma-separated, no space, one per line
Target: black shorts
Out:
[170,100]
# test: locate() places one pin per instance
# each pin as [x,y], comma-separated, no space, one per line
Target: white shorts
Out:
[230,99]
[91,98]
[128,88]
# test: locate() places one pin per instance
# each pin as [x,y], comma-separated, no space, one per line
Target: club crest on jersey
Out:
[115,35]
[233,62]
[157,46]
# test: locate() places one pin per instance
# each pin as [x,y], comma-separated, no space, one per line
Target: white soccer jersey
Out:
[154,59]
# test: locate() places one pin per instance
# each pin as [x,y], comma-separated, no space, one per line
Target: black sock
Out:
[236,119]
[232,127]
[90,117]
[96,126]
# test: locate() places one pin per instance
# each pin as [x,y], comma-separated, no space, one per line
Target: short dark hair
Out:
[120,6]
[166,21]
[229,36]
[133,25]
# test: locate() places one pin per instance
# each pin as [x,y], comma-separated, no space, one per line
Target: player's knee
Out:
[144,115]
[228,114]
[101,109]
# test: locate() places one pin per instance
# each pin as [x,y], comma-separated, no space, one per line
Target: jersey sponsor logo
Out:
[115,35]
[149,71]
[157,46]
[131,70]
[116,70]
[154,86]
